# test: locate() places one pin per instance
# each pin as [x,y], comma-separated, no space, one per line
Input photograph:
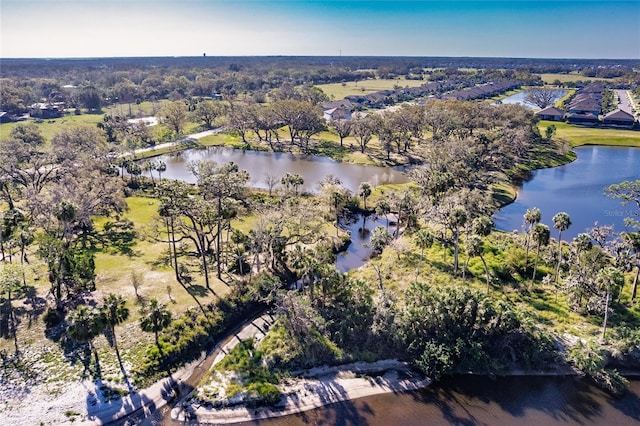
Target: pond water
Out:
[479,400]
[360,227]
[260,164]
[519,98]
[578,189]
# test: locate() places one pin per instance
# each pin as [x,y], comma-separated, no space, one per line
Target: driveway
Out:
[624,101]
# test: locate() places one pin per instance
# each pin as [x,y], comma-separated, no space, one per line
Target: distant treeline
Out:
[92,83]
[44,67]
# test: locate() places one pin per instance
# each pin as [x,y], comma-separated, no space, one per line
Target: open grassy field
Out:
[578,135]
[146,257]
[549,78]
[340,90]
[52,126]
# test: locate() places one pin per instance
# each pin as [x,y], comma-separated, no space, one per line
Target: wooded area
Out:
[442,290]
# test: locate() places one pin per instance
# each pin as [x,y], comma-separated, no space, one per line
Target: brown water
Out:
[474,400]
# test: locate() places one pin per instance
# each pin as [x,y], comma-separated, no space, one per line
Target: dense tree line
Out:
[94,83]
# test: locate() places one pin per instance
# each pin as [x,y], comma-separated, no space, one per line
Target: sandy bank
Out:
[312,389]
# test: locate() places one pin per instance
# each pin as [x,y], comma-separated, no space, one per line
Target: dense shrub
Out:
[51,318]
[457,329]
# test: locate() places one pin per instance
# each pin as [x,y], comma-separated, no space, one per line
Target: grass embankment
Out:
[579,135]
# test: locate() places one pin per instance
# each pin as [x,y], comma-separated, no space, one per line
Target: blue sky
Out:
[516,28]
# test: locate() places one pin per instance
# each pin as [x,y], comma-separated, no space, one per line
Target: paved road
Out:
[189,138]
[624,101]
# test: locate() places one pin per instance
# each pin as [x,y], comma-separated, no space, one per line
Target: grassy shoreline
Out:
[556,153]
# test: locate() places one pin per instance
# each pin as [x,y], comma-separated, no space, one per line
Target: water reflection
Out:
[360,227]
[479,400]
[578,189]
[260,164]
[519,98]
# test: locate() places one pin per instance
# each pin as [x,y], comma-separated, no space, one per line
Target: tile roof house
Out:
[45,110]
[587,100]
[551,113]
[481,91]
[337,110]
[584,106]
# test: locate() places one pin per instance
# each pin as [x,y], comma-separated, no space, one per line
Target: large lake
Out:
[260,164]
[578,189]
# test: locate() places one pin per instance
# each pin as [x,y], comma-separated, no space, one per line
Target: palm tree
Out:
[541,236]
[114,312]
[161,167]
[286,181]
[532,216]
[609,279]
[149,167]
[296,181]
[155,317]
[561,222]
[424,240]
[475,247]
[84,324]
[364,190]
[456,220]
[338,197]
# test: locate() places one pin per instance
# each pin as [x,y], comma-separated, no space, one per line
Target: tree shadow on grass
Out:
[116,238]
[197,290]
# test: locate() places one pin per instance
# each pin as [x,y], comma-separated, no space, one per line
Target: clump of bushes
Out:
[591,358]
[453,329]
[244,377]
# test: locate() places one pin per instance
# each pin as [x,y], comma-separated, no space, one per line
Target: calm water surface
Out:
[473,400]
[519,97]
[360,227]
[260,164]
[578,189]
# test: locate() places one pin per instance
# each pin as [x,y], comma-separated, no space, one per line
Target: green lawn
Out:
[52,126]
[338,91]
[549,78]
[578,135]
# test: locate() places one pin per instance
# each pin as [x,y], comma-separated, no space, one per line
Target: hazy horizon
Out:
[71,58]
[76,29]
